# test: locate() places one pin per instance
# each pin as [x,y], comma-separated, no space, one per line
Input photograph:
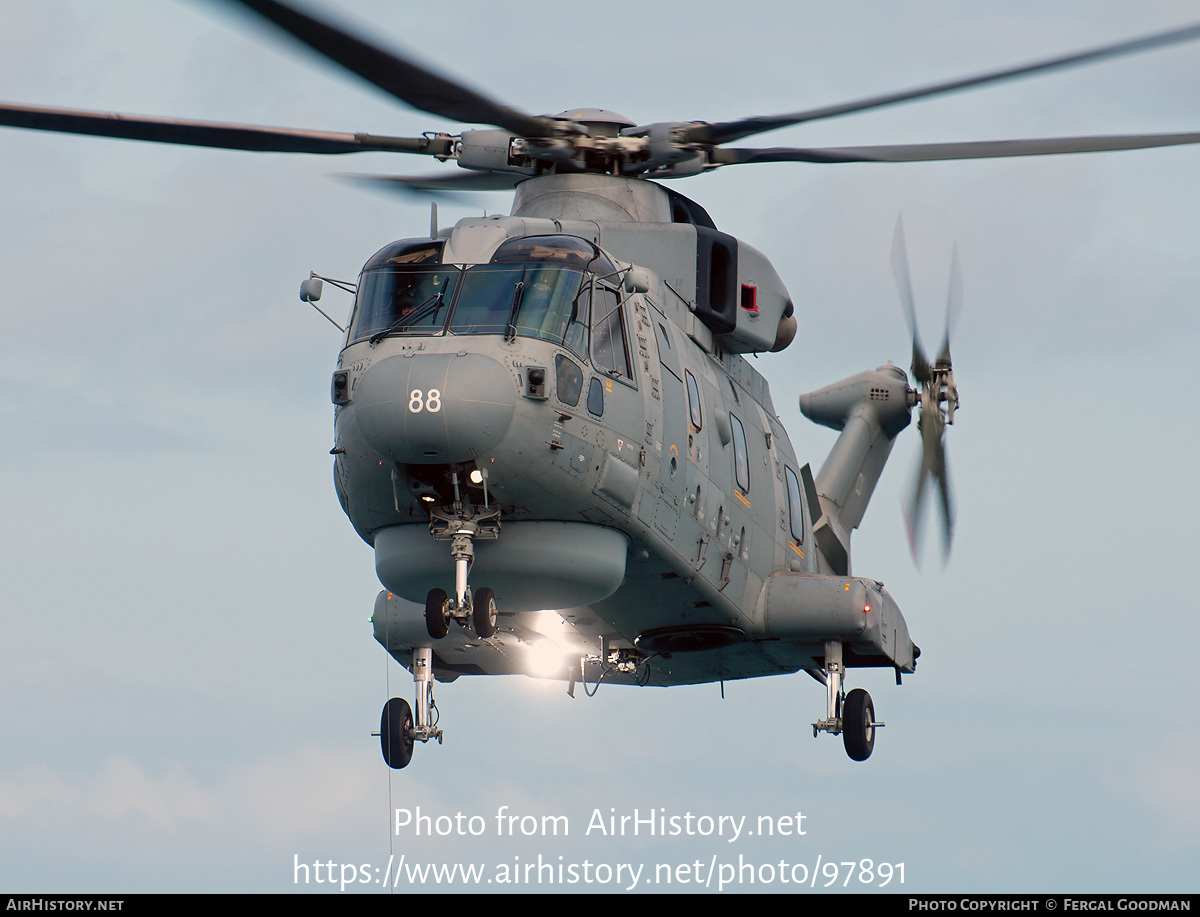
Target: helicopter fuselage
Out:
[579,380]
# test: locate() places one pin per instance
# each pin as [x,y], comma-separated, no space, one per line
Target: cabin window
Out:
[568,380]
[595,398]
[741,456]
[662,336]
[693,401]
[795,507]
[609,352]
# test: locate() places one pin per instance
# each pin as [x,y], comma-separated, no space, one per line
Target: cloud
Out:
[279,800]
[1165,778]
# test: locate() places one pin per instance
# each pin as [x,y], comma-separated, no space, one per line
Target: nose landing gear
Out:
[462,531]
[852,715]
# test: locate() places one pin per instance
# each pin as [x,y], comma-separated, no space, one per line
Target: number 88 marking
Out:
[417,402]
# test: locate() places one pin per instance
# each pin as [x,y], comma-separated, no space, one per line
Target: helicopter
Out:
[664,518]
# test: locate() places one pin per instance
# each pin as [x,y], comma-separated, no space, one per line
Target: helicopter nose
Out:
[434,408]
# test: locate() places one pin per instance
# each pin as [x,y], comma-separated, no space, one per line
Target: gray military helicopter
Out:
[546,426]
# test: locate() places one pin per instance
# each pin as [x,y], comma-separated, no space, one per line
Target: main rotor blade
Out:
[212,134]
[407,81]
[442,184]
[728,131]
[929,152]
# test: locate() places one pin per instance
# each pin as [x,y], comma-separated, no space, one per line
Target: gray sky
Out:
[187,677]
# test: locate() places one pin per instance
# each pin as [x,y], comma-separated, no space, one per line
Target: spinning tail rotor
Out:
[937,399]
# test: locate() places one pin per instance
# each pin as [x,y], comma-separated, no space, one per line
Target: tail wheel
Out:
[437,613]
[483,612]
[858,729]
[395,733]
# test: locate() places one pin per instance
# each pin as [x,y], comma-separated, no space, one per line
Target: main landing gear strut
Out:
[398,729]
[853,714]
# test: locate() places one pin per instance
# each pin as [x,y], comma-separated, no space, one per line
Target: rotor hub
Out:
[599,121]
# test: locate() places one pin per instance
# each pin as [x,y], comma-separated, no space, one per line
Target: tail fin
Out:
[870,409]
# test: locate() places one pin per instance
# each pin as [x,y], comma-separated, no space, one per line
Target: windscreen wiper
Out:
[510,332]
[430,305]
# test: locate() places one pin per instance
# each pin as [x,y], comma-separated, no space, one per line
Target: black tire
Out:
[483,612]
[395,733]
[858,713]
[437,613]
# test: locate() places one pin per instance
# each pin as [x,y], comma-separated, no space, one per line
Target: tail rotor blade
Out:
[947,507]
[913,514]
[954,300]
[920,365]
[933,466]
[938,399]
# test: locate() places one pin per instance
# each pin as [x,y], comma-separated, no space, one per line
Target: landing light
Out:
[476,476]
[427,498]
[546,658]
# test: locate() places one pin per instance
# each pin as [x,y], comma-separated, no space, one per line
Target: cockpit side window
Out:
[609,351]
[595,397]
[568,380]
